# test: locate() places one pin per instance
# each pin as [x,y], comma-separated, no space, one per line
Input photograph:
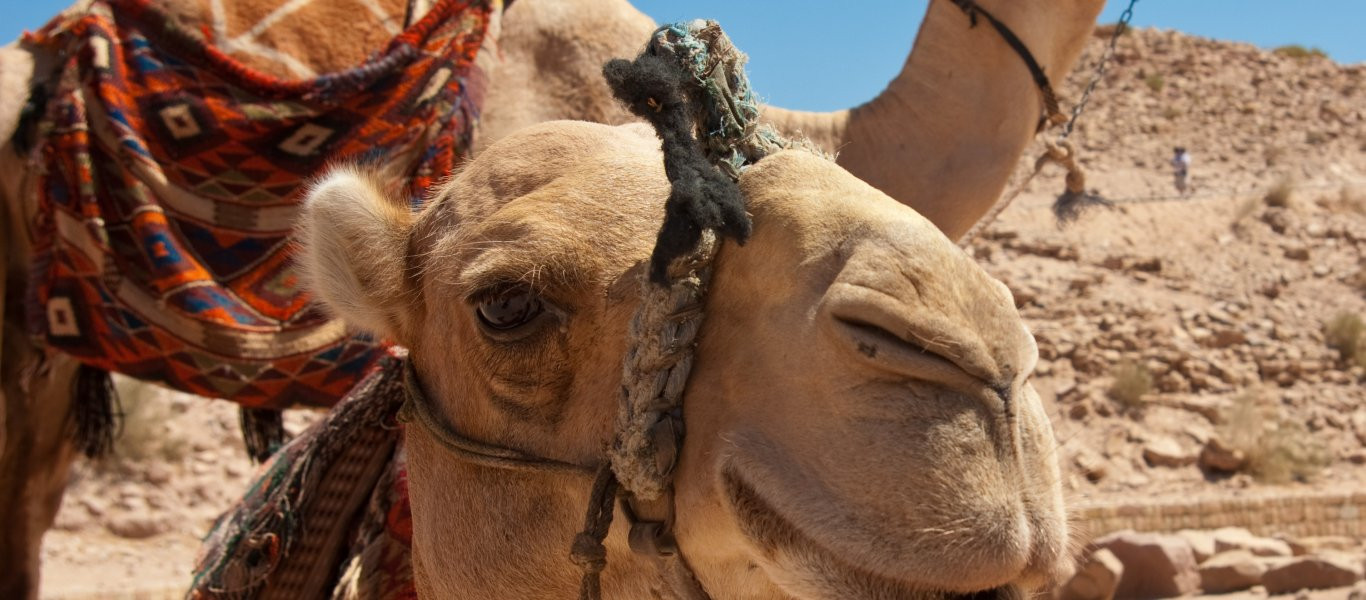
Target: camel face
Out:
[865,388]
[859,418]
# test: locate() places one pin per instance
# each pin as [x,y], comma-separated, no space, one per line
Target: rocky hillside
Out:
[1201,344]
[1194,340]
[1248,116]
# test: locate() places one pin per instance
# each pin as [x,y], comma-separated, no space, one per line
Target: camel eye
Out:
[509,311]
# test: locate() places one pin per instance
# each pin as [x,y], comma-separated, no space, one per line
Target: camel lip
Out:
[771,532]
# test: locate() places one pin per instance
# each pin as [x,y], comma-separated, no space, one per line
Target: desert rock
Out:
[1313,572]
[1231,571]
[1155,566]
[1097,579]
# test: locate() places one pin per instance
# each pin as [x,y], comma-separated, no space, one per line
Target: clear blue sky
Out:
[810,56]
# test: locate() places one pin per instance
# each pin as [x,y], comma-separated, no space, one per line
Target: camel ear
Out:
[16,73]
[353,239]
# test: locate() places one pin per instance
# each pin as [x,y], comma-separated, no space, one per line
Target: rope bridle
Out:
[691,85]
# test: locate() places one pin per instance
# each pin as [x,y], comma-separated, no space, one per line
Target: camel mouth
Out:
[825,575]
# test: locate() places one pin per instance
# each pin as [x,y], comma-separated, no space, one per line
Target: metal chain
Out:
[1104,63]
[1076,179]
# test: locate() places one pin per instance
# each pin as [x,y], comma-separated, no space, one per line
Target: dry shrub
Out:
[1359,280]
[1344,333]
[1131,383]
[1278,450]
[1299,52]
[1281,194]
[1350,199]
[1246,209]
[1155,82]
[144,435]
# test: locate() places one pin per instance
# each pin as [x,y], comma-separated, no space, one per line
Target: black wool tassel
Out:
[263,432]
[96,411]
[26,131]
[701,196]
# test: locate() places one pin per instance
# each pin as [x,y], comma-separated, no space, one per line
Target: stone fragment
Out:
[1231,571]
[1228,539]
[96,506]
[1097,579]
[1225,337]
[1201,543]
[1155,566]
[136,526]
[1297,253]
[1317,544]
[1092,465]
[1237,538]
[72,519]
[1166,452]
[1216,456]
[156,473]
[1080,410]
[1148,265]
[1328,570]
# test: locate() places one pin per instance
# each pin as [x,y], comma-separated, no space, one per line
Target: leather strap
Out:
[1050,98]
[418,409]
[651,522]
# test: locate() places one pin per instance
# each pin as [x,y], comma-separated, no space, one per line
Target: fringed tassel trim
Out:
[263,432]
[96,413]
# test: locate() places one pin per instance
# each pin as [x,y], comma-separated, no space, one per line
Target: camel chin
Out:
[820,542]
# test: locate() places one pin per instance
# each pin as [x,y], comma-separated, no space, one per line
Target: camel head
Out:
[860,422]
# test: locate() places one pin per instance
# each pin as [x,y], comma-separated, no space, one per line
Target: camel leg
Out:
[36,451]
[34,467]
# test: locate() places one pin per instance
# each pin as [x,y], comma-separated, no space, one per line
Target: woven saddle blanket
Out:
[328,515]
[170,176]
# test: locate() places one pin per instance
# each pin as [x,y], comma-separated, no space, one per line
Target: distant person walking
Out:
[1181,167]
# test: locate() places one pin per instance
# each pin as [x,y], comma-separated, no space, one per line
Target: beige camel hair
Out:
[860,422]
[941,138]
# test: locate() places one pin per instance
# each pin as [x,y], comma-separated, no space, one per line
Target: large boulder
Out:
[1155,566]
[1231,571]
[1166,452]
[1328,570]
[1201,542]
[1237,538]
[1097,579]
[1318,544]
[1218,456]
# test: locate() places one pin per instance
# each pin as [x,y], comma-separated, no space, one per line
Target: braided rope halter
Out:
[691,85]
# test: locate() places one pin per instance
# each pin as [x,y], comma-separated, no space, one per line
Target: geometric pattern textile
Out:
[327,515]
[170,176]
